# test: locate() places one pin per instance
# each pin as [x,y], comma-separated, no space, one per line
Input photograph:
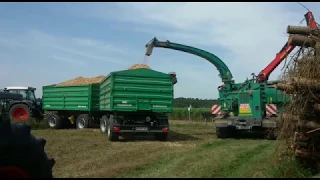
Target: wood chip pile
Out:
[138,66]
[82,81]
[86,81]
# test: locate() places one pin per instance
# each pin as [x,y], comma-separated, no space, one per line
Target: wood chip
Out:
[138,66]
[82,81]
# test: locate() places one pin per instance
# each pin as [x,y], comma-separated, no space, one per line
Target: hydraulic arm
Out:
[224,71]
[286,49]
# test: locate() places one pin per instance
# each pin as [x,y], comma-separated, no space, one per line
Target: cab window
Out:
[13,91]
[31,95]
[23,93]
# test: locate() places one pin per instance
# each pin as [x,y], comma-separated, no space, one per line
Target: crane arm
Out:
[224,71]
[284,52]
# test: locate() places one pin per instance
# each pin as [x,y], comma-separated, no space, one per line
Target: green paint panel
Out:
[135,90]
[81,98]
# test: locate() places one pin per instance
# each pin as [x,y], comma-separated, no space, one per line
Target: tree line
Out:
[195,102]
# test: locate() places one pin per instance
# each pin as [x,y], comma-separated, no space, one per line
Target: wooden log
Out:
[290,117]
[302,30]
[300,40]
[307,154]
[302,144]
[302,153]
[306,83]
[301,138]
[312,132]
[310,126]
[288,88]
[302,123]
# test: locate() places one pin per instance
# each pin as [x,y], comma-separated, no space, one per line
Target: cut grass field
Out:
[191,151]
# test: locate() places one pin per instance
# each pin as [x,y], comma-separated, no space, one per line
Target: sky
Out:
[47,43]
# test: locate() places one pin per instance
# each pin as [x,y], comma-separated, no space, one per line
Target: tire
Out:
[112,136]
[82,121]
[161,136]
[222,132]
[21,154]
[103,124]
[20,113]
[54,121]
[270,134]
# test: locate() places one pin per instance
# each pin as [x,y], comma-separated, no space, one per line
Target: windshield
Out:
[26,94]
[31,95]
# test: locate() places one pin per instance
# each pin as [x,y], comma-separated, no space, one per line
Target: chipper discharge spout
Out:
[151,44]
[224,71]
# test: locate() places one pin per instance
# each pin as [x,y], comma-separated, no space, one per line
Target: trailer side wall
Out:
[137,90]
[78,98]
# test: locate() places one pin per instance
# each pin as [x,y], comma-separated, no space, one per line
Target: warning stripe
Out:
[271,109]
[216,109]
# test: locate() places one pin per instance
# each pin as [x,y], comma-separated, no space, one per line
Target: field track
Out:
[192,151]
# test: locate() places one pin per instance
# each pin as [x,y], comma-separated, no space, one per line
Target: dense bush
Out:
[195,102]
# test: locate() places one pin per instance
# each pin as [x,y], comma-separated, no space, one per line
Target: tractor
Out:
[22,155]
[27,107]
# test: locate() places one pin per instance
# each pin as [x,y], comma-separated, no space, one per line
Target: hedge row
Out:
[183,114]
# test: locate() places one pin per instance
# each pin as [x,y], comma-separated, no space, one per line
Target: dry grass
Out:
[192,151]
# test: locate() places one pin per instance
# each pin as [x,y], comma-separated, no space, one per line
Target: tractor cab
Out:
[28,93]
[29,106]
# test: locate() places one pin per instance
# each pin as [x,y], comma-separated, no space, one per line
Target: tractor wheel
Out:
[20,113]
[21,154]
[54,121]
[82,121]
[103,124]
[112,136]
[222,132]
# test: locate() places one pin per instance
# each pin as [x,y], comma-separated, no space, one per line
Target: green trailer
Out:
[65,105]
[136,101]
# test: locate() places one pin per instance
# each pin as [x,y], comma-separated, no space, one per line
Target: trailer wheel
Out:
[161,136]
[21,154]
[112,136]
[20,113]
[103,124]
[54,121]
[222,132]
[82,121]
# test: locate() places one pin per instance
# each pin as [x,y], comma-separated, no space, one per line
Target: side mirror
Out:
[173,77]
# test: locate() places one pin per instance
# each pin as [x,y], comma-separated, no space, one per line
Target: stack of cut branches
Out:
[300,120]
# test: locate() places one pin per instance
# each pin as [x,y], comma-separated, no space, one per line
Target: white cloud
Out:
[35,58]
[250,33]
[246,36]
